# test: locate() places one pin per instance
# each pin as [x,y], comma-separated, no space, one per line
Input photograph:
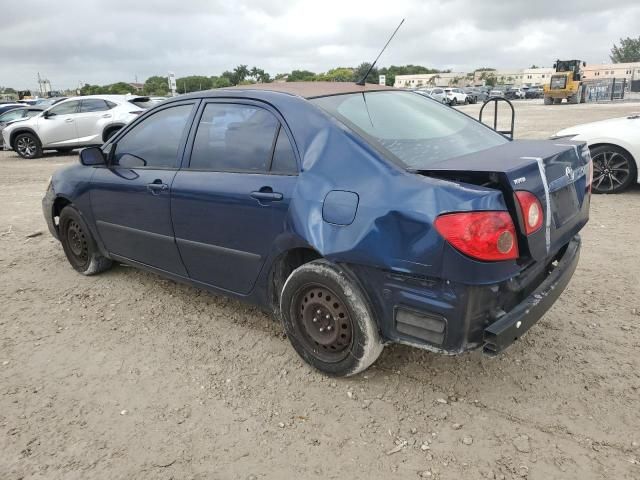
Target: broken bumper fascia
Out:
[512,325]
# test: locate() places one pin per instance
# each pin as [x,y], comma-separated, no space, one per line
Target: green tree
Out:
[119,88]
[432,81]
[193,83]
[489,77]
[361,71]
[220,82]
[340,74]
[93,90]
[259,75]
[301,76]
[628,51]
[156,85]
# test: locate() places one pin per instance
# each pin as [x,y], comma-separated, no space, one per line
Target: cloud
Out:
[107,41]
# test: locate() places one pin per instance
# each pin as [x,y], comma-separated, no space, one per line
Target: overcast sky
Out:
[102,42]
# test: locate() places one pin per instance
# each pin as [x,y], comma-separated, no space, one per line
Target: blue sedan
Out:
[360,215]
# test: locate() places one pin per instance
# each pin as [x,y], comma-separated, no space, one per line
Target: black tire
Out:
[614,169]
[27,145]
[78,244]
[319,295]
[548,101]
[453,102]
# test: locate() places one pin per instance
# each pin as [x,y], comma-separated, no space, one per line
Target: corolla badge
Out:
[569,172]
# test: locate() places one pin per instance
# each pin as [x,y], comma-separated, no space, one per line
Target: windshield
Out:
[417,131]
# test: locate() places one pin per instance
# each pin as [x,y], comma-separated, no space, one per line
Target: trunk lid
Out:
[556,172]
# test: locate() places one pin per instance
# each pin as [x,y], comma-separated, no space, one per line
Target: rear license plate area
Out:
[565,204]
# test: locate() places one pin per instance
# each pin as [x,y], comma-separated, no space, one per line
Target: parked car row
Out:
[70,123]
[459,96]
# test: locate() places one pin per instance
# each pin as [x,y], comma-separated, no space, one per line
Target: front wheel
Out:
[28,146]
[78,244]
[613,169]
[328,320]
[454,102]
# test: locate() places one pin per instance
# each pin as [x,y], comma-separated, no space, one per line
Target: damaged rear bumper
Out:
[450,317]
[512,325]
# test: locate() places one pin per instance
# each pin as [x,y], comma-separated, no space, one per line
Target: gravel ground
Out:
[126,375]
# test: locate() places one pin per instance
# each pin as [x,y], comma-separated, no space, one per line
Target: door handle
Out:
[264,195]
[106,115]
[157,187]
[69,120]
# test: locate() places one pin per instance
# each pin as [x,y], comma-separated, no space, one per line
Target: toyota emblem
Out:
[569,173]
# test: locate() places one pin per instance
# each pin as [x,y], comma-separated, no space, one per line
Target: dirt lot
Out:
[128,376]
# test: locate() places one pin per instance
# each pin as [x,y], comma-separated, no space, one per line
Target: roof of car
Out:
[313,89]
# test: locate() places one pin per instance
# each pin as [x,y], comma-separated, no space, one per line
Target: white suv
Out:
[73,123]
[455,96]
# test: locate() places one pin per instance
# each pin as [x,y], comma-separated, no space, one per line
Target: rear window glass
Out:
[416,131]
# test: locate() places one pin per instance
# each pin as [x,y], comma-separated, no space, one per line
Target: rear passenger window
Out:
[284,160]
[234,138]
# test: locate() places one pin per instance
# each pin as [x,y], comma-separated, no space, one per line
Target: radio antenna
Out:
[363,80]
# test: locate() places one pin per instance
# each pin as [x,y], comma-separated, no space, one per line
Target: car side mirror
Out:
[92,156]
[48,114]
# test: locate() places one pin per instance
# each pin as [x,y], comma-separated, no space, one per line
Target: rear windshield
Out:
[416,131]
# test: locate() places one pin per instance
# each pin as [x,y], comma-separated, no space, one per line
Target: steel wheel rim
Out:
[610,171]
[324,322]
[77,241]
[26,146]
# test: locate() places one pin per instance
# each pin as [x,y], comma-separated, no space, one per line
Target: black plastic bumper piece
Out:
[509,327]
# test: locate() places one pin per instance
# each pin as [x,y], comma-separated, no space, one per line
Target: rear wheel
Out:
[548,100]
[28,146]
[613,169]
[328,320]
[78,244]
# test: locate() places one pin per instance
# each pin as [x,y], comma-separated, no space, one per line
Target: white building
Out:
[537,76]
[630,71]
[503,77]
[424,80]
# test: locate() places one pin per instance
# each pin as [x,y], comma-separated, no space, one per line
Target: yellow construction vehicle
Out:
[565,83]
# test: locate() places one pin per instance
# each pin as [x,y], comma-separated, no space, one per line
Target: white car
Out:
[435,93]
[73,123]
[455,96]
[615,150]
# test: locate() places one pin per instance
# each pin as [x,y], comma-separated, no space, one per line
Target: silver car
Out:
[17,115]
[437,94]
[73,123]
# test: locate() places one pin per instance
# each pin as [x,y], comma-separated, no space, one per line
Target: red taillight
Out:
[531,210]
[486,236]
